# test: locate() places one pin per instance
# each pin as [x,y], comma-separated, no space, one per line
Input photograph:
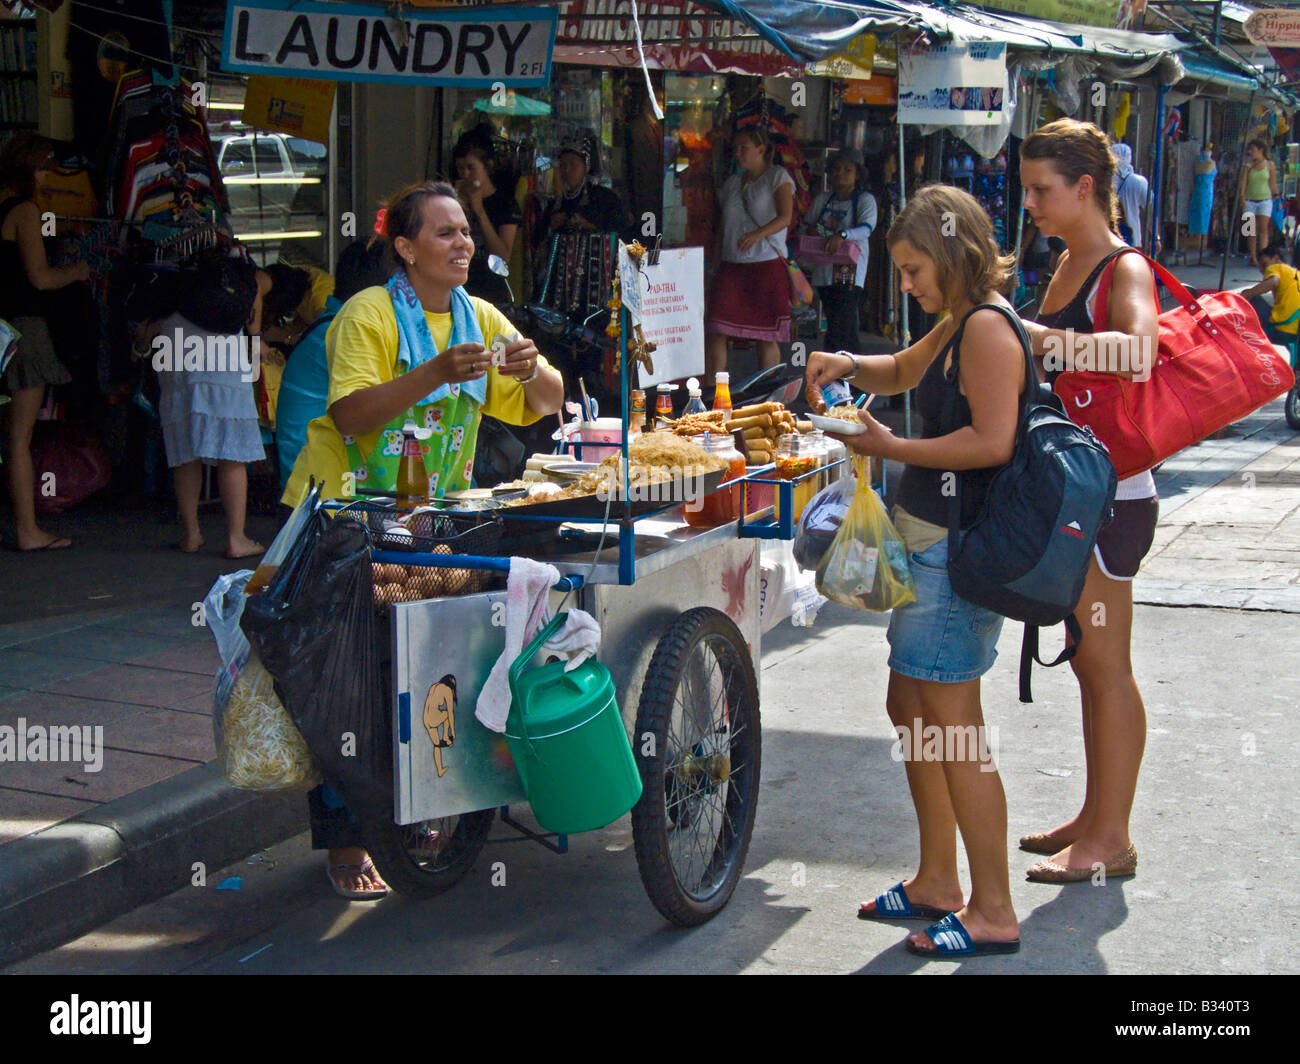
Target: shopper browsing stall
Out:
[494,218]
[750,295]
[846,211]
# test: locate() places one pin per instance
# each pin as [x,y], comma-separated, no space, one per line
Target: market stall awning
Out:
[818,30]
[1200,69]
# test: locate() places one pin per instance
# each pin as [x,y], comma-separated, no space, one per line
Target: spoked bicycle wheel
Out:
[1292,409]
[698,744]
[425,859]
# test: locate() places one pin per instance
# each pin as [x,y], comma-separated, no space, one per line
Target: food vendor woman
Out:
[419,348]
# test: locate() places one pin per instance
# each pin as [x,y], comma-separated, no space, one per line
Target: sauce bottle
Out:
[722,391]
[664,402]
[636,412]
[721,506]
[412,477]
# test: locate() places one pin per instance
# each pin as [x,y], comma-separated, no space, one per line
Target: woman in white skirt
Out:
[206,360]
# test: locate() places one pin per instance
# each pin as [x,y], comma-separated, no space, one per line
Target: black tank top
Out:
[19,298]
[925,493]
[1074,315]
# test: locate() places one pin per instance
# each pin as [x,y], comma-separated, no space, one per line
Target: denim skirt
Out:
[941,637]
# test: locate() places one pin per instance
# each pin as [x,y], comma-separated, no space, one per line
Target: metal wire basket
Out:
[429,532]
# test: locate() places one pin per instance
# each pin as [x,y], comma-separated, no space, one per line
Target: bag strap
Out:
[1029,653]
[1162,276]
[1031,383]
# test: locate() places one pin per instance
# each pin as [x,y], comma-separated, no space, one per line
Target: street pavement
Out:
[1213,823]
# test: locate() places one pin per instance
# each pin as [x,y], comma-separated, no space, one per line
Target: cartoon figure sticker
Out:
[440,718]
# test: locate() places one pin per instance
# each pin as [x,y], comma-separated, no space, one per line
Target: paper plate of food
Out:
[842,421]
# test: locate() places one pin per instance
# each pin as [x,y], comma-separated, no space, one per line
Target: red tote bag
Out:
[1214,365]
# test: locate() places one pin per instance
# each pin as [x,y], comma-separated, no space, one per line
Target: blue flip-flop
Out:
[894,904]
[952,940]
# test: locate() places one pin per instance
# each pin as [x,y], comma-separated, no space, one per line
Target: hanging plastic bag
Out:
[821,519]
[314,630]
[223,606]
[261,749]
[866,567]
[783,591]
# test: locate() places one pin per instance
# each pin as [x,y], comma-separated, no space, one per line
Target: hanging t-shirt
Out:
[748,206]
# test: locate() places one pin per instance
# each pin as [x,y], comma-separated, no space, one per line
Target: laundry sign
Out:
[475,47]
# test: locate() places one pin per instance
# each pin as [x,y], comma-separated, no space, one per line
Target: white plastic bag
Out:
[784,591]
[222,608]
[262,749]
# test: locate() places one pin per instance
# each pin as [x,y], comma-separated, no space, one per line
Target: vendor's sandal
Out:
[952,941]
[894,904]
[377,890]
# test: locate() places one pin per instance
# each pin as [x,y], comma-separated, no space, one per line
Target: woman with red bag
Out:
[1067,171]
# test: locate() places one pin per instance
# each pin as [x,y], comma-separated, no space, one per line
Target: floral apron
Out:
[450,431]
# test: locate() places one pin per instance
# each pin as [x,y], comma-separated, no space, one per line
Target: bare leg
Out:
[24,405]
[936,882]
[188,479]
[1114,721]
[980,806]
[232,481]
[715,354]
[769,354]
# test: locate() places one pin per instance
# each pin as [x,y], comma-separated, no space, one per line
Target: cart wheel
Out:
[697,745]
[1293,408]
[425,859]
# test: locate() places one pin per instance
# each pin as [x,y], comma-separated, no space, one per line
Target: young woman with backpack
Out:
[1067,171]
[943,246]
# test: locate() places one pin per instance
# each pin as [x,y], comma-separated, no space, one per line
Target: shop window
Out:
[277,184]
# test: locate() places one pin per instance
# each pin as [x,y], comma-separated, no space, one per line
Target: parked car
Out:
[276,184]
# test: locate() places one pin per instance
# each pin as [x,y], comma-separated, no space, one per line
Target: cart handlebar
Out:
[462,561]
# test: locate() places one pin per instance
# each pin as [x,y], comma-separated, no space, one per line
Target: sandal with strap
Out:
[894,904]
[377,890]
[952,940]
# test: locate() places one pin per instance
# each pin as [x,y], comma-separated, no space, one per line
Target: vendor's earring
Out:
[410,262]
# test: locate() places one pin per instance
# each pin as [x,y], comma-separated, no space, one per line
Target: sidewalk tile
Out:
[44,707]
[122,772]
[133,683]
[199,658]
[100,644]
[169,732]
[21,668]
[10,692]
[22,812]
[167,621]
[23,631]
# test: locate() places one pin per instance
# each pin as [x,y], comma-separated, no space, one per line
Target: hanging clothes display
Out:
[161,169]
[580,273]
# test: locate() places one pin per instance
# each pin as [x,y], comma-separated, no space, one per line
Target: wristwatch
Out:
[843,234]
[537,368]
[854,371]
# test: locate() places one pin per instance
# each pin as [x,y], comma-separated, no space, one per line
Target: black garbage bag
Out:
[314,629]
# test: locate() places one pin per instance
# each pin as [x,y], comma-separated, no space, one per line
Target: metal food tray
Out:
[659,495]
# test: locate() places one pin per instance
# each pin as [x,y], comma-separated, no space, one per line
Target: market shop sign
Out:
[958,84]
[1274,26]
[347,42]
[300,107]
[672,315]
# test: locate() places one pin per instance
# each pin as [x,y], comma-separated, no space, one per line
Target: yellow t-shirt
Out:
[361,351]
[1286,299]
[319,290]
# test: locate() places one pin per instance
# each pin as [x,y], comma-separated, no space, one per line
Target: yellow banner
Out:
[854,62]
[300,107]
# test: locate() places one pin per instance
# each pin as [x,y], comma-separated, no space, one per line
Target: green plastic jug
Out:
[566,734]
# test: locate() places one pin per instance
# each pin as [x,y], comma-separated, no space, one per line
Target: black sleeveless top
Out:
[1074,315]
[925,493]
[19,298]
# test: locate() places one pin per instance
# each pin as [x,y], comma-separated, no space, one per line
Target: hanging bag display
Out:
[1214,365]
